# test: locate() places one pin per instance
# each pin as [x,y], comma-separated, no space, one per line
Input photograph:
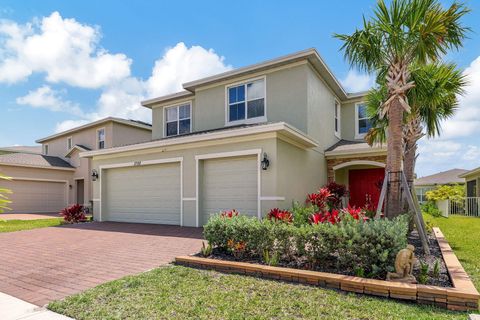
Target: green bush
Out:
[349,245]
[447,192]
[301,213]
[431,208]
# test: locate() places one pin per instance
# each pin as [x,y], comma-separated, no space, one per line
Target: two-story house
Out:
[57,177]
[250,139]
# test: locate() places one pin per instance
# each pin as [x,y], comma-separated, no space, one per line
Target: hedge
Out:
[353,247]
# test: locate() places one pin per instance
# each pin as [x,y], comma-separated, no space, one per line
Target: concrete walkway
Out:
[12,308]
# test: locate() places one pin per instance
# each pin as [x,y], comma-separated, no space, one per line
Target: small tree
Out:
[4,202]
[454,193]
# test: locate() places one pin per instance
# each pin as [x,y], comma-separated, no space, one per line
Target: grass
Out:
[175,292]
[182,293]
[17,225]
[463,235]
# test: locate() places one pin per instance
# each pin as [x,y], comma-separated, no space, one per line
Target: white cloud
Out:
[69,124]
[472,153]
[64,49]
[356,82]
[46,97]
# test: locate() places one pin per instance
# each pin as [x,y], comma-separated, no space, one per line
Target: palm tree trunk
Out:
[394,157]
[409,160]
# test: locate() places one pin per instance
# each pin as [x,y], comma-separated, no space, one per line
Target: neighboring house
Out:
[57,177]
[472,180]
[23,149]
[250,139]
[427,183]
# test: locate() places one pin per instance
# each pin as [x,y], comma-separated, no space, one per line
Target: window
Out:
[45,149]
[246,101]
[363,122]
[69,143]
[337,118]
[422,193]
[101,138]
[178,120]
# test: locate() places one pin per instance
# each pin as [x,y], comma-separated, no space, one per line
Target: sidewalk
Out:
[12,308]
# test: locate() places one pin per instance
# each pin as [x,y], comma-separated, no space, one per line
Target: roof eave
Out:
[37,167]
[469,173]
[379,150]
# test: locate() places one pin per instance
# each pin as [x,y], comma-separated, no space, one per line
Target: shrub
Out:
[446,192]
[337,192]
[73,214]
[349,244]
[301,214]
[431,208]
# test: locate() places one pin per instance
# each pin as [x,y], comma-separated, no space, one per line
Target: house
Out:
[472,180]
[56,177]
[251,139]
[427,183]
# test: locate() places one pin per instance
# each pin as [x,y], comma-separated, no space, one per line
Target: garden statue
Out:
[404,266]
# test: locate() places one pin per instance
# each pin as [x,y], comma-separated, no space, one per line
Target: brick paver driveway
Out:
[46,264]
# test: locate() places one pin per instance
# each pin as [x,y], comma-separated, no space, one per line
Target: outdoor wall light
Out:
[94,175]
[265,162]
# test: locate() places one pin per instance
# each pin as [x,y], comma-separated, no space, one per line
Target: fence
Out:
[469,206]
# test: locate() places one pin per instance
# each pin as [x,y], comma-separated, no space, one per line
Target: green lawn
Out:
[17,225]
[175,292]
[463,234]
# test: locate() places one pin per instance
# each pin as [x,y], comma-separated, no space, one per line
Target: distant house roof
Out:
[24,149]
[446,177]
[348,147]
[133,123]
[34,160]
[470,172]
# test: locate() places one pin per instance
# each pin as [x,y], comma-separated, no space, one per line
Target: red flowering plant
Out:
[337,192]
[229,213]
[73,214]
[319,199]
[332,217]
[280,215]
[355,213]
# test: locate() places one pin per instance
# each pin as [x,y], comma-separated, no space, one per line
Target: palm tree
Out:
[432,100]
[407,33]
[3,198]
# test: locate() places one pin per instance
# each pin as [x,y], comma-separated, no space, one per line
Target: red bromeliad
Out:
[229,213]
[325,216]
[280,215]
[320,198]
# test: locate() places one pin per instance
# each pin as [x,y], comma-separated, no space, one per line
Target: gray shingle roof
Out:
[37,160]
[26,149]
[444,177]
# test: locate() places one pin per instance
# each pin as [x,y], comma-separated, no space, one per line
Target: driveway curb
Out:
[12,308]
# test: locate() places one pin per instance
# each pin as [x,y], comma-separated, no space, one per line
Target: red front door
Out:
[365,186]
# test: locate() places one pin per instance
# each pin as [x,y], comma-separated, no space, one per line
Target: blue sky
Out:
[133,50]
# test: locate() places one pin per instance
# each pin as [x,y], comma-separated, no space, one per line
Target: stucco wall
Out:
[348,118]
[124,135]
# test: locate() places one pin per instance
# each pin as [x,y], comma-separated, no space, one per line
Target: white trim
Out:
[98,138]
[177,105]
[33,166]
[358,135]
[359,162]
[137,164]
[190,199]
[231,154]
[338,118]
[95,200]
[67,184]
[246,120]
[285,130]
[272,198]
[79,178]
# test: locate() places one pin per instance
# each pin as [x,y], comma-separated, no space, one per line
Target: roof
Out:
[345,147]
[445,177]
[24,149]
[283,129]
[78,147]
[310,55]
[34,160]
[470,172]
[133,123]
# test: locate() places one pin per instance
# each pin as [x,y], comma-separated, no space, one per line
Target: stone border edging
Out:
[463,297]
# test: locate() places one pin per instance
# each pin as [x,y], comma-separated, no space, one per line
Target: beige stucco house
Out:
[472,180]
[252,139]
[49,180]
[427,183]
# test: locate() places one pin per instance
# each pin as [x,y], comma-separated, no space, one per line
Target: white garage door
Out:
[229,183]
[145,194]
[36,196]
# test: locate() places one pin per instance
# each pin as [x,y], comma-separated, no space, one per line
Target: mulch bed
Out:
[329,266]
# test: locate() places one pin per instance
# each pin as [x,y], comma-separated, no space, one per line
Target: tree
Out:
[433,99]
[3,198]
[405,34]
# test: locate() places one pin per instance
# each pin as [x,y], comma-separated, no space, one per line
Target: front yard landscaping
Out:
[17,225]
[182,293]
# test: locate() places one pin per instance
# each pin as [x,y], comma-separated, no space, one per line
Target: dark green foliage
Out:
[423,276]
[431,208]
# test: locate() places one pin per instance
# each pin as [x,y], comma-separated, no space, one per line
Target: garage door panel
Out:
[147,194]
[36,196]
[229,183]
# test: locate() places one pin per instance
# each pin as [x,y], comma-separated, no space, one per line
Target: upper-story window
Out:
[337,118]
[363,123]
[45,149]
[69,143]
[178,120]
[101,138]
[246,102]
